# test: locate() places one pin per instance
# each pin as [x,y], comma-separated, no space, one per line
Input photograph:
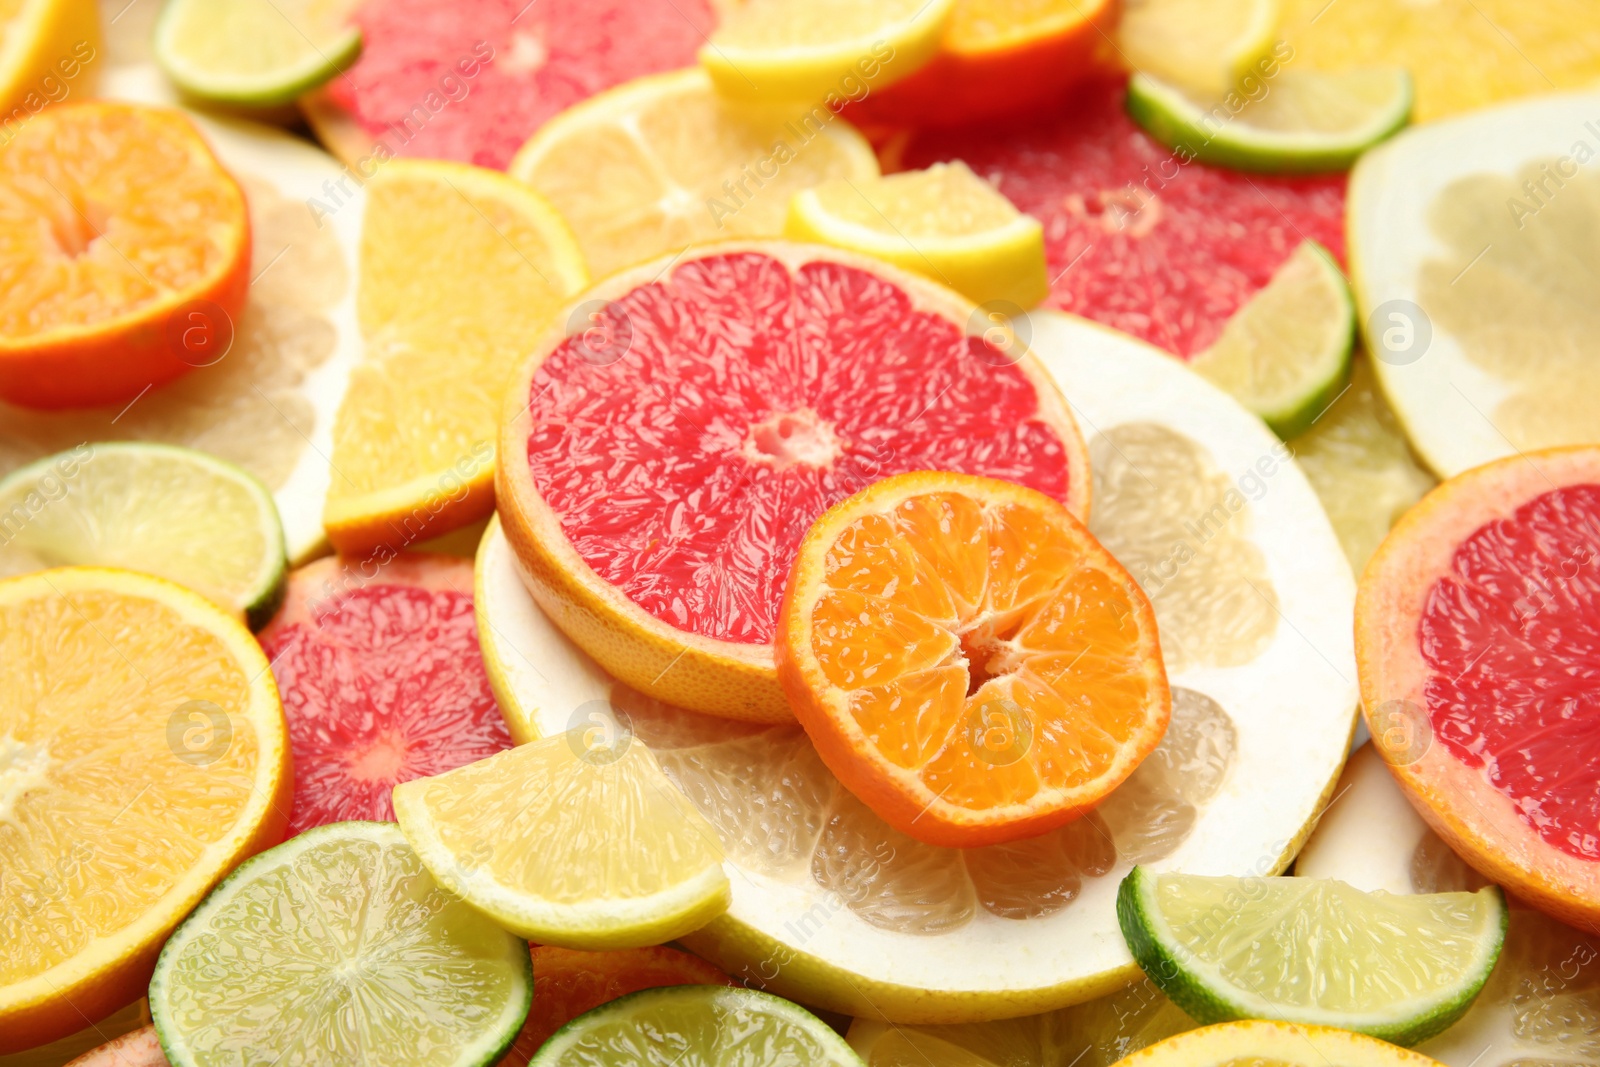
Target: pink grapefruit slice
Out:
[377,661]
[1478,644]
[666,448]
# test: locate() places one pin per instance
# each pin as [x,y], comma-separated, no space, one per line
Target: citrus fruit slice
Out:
[997,58]
[1297,949]
[413,448]
[1472,279]
[1206,45]
[86,1042]
[576,840]
[1285,355]
[120,226]
[967,658]
[704,1026]
[1260,1043]
[254,53]
[172,512]
[139,1048]
[833,907]
[944,222]
[778,379]
[48,45]
[1134,237]
[1302,122]
[1473,631]
[382,681]
[142,755]
[409,966]
[472,84]
[661,163]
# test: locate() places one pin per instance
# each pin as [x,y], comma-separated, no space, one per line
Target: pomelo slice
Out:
[669,443]
[1475,630]
[834,908]
[382,681]
[1473,277]
[1135,238]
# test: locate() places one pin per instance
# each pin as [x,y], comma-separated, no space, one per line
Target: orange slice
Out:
[125,249]
[970,662]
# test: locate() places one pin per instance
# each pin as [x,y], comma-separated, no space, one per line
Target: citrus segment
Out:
[413,448]
[1274,1044]
[1008,717]
[1206,45]
[118,225]
[254,53]
[662,163]
[142,755]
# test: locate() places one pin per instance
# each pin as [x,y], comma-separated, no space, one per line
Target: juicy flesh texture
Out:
[1134,239]
[381,686]
[529,63]
[1512,637]
[750,399]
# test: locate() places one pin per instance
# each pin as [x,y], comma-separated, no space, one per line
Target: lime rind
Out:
[323,59]
[1180,122]
[1194,982]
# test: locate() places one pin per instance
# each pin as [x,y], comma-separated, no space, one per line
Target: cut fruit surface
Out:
[1275,1044]
[142,755]
[254,53]
[1475,631]
[576,840]
[413,444]
[662,163]
[968,659]
[382,681]
[1134,238]
[662,457]
[1207,45]
[943,222]
[1308,950]
[88,190]
[416,974]
[1285,355]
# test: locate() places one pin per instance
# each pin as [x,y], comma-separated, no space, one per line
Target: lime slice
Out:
[1297,122]
[337,947]
[1207,44]
[1286,354]
[164,510]
[254,53]
[696,1026]
[578,840]
[1311,950]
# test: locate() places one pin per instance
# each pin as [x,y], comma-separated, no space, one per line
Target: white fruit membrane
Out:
[1254,598]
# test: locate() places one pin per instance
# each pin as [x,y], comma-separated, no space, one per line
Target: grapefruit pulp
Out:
[662,457]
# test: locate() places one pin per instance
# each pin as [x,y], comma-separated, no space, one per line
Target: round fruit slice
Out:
[1206,45]
[413,444]
[408,965]
[254,53]
[832,907]
[1286,354]
[1134,237]
[137,1049]
[1297,950]
[128,243]
[944,222]
[1474,630]
[661,458]
[1473,276]
[382,681]
[968,659]
[1274,1044]
[661,163]
[575,840]
[172,512]
[142,755]
[1304,122]
[704,1026]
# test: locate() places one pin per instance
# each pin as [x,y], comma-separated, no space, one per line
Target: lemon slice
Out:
[1274,1044]
[578,840]
[825,51]
[254,53]
[944,222]
[1204,45]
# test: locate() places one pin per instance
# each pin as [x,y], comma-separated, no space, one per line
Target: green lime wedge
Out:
[696,1026]
[254,53]
[1285,355]
[1296,122]
[1312,950]
[173,512]
[338,947]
